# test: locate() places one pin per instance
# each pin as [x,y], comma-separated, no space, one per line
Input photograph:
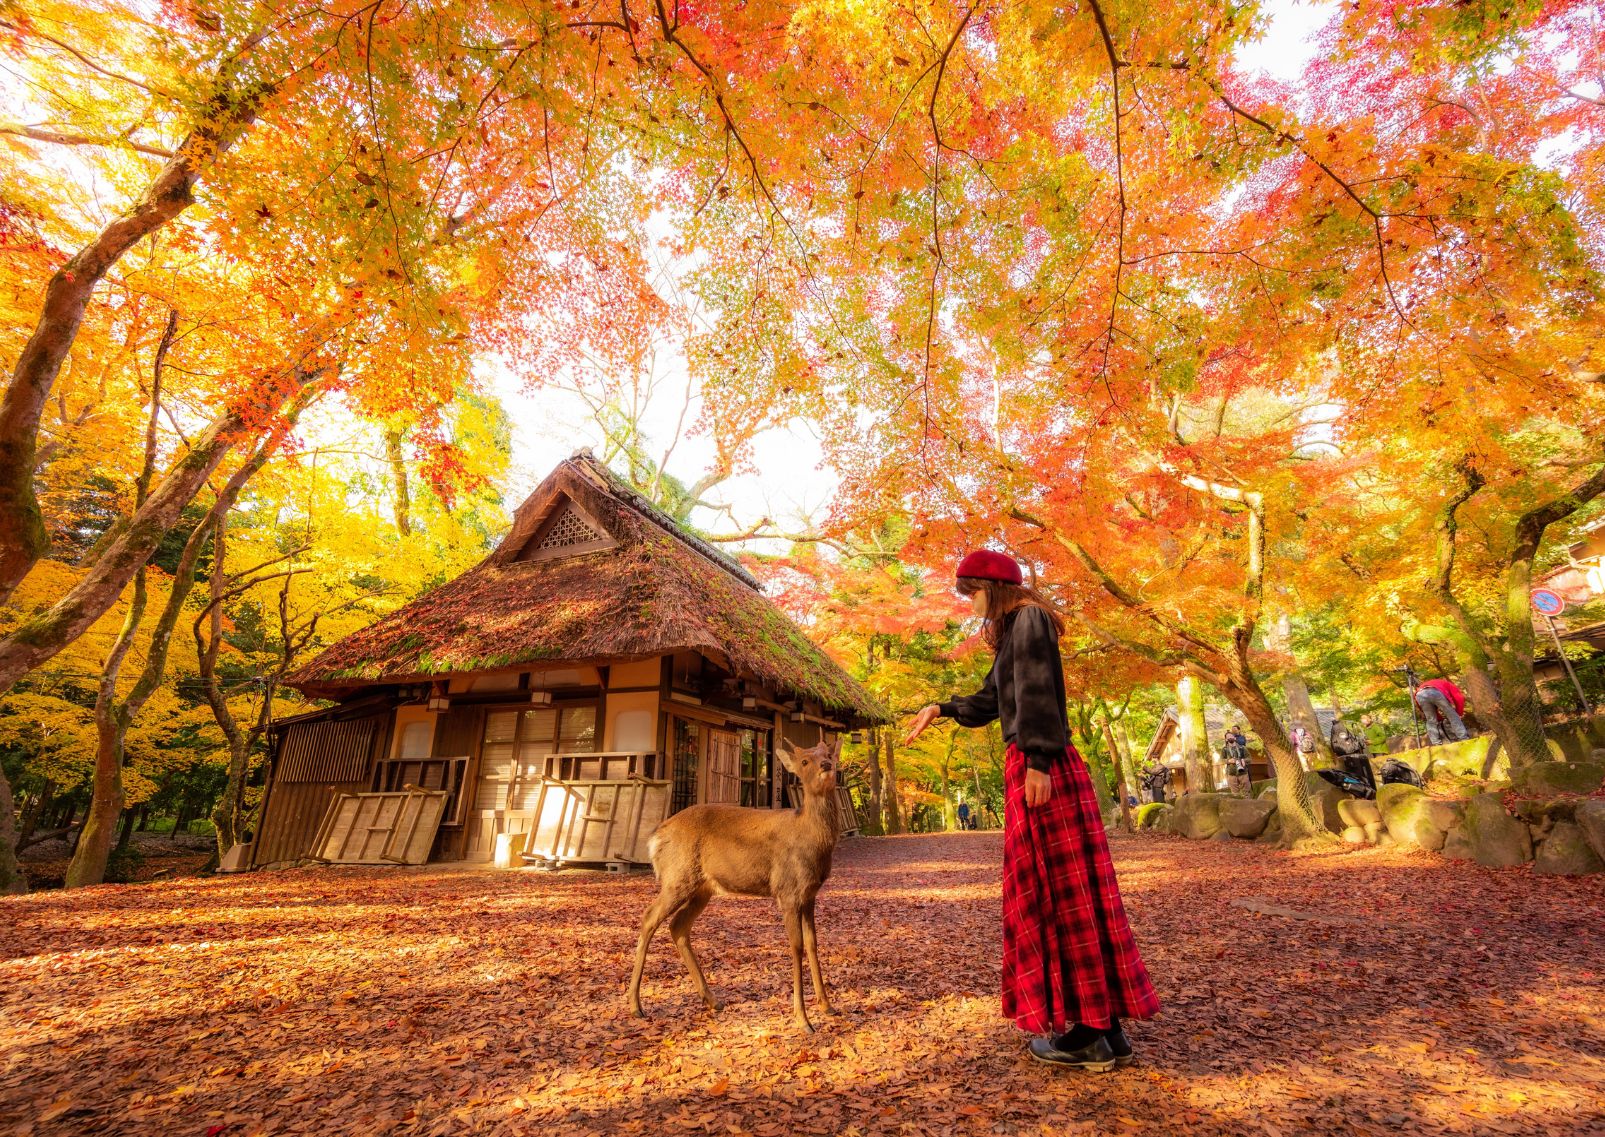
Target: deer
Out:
[715,850]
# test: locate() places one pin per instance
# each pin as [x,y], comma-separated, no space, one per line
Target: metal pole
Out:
[1582,699]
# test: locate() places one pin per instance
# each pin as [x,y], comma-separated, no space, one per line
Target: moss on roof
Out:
[658,591]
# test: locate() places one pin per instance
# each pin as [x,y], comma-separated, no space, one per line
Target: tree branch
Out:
[61,138]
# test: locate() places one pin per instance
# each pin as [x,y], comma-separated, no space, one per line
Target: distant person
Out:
[964,815]
[1071,970]
[1153,783]
[1237,777]
[1374,733]
[1298,736]
[1441,704]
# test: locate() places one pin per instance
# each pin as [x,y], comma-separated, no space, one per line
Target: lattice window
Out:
[568,530]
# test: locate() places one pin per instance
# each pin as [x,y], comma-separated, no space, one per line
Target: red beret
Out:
[985,564]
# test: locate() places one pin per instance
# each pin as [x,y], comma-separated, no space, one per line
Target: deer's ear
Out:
[836,746]
[786,752]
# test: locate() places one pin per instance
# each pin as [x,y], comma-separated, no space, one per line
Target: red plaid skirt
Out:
[1068,953]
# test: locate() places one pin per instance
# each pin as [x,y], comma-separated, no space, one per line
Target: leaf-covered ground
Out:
[1362,993]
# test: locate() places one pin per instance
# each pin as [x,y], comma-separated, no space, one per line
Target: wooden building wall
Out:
[315,761]
[354,750]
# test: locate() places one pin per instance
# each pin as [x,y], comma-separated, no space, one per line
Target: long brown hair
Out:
[1003,598]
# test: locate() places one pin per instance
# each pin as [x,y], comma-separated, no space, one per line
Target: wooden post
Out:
[1554,634]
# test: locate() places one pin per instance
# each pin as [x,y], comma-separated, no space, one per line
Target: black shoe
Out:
[1095,1056]
[1116,1038]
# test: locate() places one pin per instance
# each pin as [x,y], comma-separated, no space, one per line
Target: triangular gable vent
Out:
[566,532]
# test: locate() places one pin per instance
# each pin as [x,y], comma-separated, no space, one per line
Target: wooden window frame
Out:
[516,784]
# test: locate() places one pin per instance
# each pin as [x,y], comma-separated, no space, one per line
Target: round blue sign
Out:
[1547,602]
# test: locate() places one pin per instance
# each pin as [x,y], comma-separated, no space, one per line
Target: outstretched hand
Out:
[925,718]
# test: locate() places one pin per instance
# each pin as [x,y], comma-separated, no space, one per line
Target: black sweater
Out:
[1024,689]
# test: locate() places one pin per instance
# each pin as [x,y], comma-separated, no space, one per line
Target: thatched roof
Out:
[639,586]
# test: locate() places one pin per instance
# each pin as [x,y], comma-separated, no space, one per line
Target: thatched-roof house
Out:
[599,636]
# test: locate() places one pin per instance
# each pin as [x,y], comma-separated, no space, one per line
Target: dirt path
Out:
[1364,993]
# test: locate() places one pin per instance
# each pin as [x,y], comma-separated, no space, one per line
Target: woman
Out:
[1070,966]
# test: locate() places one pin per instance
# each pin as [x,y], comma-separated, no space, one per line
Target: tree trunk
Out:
[948,815]
[1301,709]
[398,480]
[11,878]
[23,539]
[894,809]
[1128,760]
[42,636]
[126,833]
[37,806]
[1482,694]
[228,817]
[1122,786]
[1097,763]
[89,857]
[1194,734]
[1522,708]
[1293,803]
[877,807]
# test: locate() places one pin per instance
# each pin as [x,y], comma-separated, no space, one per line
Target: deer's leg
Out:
[680,930]
[795,934]
[811,946]
[656,912]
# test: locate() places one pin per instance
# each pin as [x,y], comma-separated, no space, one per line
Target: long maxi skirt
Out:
[1068,953]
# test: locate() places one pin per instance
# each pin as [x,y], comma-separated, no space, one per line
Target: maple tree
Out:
[1072,281]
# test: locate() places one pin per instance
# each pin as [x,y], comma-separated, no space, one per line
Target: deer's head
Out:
[814,767]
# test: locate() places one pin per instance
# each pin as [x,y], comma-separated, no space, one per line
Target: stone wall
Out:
[1550,815]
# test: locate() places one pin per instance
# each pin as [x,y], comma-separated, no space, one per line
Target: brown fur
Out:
[711,850]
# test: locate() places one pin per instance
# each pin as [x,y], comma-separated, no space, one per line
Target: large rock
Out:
[1497,839]
[1543,815]
[1257,788]
[1358,813]
[1545,812]
[1392,792]
[1246,818]
[1148,816]
[1414,819]
[1326,801]
[1273,830]
[1453,759]
[1566,852]
[1197,816]
[1591,820]
[1545,778]
[1457,846]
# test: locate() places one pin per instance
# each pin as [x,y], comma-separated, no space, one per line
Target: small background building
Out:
[599,640]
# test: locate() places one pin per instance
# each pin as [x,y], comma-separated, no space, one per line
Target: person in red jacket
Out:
[1441,699]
